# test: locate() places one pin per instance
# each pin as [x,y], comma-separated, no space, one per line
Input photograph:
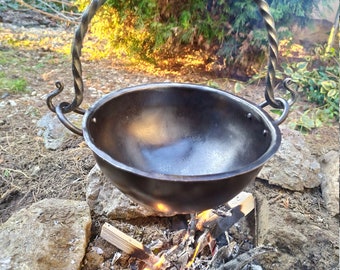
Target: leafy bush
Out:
[231,29]
[320,85]
[319,81]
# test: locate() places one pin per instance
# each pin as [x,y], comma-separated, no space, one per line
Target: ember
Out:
[204,245]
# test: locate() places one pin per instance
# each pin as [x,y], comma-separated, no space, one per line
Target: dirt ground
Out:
[29,172]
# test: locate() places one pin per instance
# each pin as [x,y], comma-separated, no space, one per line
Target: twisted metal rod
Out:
[76,53]
[273,53]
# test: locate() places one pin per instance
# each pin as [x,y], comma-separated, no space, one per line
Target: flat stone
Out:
[293,167]
[50,234]
[330,181]
[296,238]
[106,200]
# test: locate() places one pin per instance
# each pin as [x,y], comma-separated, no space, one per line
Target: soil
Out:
[29,172]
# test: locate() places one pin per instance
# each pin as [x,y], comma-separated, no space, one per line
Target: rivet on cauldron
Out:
[249,116]
[94,120]
[265,132]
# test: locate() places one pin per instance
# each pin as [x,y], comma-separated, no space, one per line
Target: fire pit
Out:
[202,243]
[177,148]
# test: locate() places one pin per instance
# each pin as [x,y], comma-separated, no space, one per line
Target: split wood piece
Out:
[215,224]
[128,244]
[238,207]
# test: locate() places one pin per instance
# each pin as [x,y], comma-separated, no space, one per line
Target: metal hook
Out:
[293,93]
[57,91]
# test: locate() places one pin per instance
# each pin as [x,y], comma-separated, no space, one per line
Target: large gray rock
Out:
[50,234]
[293,167]
[330,181]
[53,131]
[301,243]
[106,200]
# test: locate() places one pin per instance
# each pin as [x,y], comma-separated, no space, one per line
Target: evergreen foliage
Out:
[231,29]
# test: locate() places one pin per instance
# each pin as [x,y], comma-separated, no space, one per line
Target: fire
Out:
[199,222]
[197,249]
[203,218]
[161,207]
[202,231]
[158,265]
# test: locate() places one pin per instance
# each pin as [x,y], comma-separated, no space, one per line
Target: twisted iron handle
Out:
[273,53]
[76,64]
[80,33]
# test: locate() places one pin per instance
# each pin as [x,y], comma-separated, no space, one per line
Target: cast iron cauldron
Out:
[177,148]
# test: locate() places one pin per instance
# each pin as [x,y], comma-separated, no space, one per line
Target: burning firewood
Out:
[220,221]
[128,244]
[203,231]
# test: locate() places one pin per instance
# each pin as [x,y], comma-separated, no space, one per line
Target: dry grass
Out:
[29,172]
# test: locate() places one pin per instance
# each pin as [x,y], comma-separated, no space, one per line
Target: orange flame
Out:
[197,249]
[203,217]
[162,207]
[160,264]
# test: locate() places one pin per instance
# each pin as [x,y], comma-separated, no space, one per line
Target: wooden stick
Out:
[127,244]
[245,200]
[240,206]
[63,3]
[21,2]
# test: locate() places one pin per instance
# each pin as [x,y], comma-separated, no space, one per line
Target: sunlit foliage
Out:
[231,32]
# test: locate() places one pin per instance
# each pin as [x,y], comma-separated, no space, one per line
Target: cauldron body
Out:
[179,148]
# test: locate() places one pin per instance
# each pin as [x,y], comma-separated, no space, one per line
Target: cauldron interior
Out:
[180,130]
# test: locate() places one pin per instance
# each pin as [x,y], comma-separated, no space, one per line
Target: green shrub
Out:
[231,29]
[318,80]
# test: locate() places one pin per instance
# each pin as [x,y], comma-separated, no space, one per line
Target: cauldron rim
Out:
[258,163]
